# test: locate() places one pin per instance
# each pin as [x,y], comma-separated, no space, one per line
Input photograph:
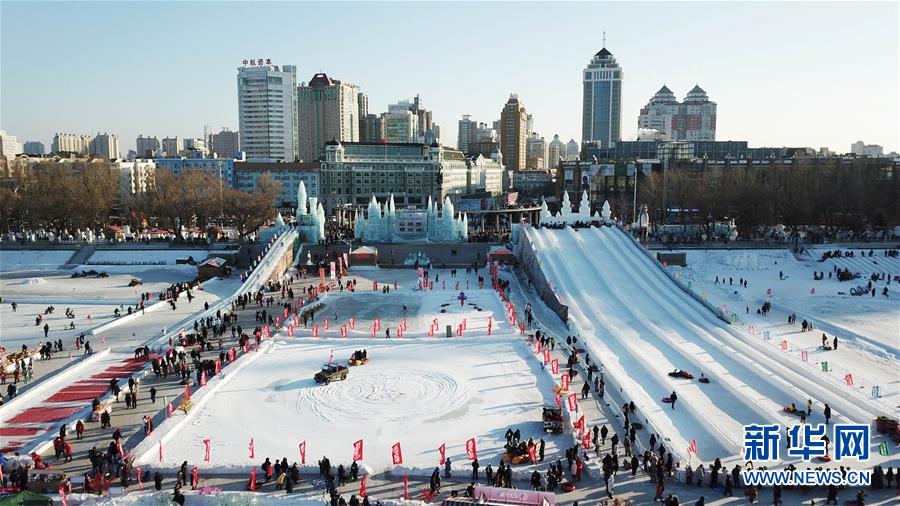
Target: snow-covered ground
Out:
[18,260]
[868,328]
[145,257]
[421,392]
[641,326]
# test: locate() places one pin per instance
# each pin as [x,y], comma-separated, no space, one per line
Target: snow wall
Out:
[529,262]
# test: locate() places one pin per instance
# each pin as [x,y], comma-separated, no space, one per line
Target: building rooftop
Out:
[320,79]
[603,53]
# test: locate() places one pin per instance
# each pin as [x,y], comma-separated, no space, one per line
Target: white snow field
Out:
[421,392]
[868,328]
[144,257]
[640,325]
[19,260]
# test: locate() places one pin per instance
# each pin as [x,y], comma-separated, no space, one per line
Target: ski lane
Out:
[760,395]
[637,379]
[845,405]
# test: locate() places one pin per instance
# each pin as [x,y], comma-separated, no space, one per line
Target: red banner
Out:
[554,366]
[362,485]
[252,449]
[160,451]
[532,453]
[443,450]
[194,478]
[206,455]
[62,495]
[546,356]
[140,478]
[187,392]
[203,379]
[573,401]
[169,410]
[406,487]
[396,454]
[586,441]
[471,451]
[564,381]
[579,424]
[252,479]
[558,402]
[302,449]
[358,450]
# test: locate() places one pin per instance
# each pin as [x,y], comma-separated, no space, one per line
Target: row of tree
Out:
[78,196]
[832,195]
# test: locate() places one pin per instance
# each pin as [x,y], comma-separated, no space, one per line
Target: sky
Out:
[783,74]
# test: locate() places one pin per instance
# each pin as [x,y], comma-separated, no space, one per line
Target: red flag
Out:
[554,366]
[443,450]
[252,450]
[206,454]
[586,441]
[252,479]
[160,451]
[693,447]
[62,495]
[579,424]
[538,344]
[573,402]
[169,410]
[140,479]
[362,486]
[396,454]
[119,448]
[532,453]
[471,451]
[564,381]
[358,450]
[194,478]
[187,392]
[406,487]
[546,356]
[303,452]
[203,379]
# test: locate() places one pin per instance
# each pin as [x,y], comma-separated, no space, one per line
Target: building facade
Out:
[513,126]
[225,144]
[288,174]
[860,148]
[105,145]
[194,148]
[329,109]
[372,129]
[147,147]
[602,100]
[71,143]
[556,151]
[267,112]
[223,168]
[535,152]
[412,172]
[171,147]
[33,148]
[136,177]
[466,133]
[531,181]
[9,145]
[400,126]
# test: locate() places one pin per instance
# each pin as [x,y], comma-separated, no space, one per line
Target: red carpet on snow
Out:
[44,414]
[20,431]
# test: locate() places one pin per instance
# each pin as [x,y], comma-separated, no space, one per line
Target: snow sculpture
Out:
[566,205]
[279,220]
[584,207]
[606,212]
[380,223]
[301,199]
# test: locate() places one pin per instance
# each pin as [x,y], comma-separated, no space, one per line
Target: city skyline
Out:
[777,82]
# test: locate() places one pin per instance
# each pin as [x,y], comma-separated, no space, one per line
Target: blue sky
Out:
[796,74]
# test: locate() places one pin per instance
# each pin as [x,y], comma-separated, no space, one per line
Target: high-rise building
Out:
[71,143]
[33,148]
[424,116]
[9,145]
[529,125]
[172,147]
[572,150]
[555,151]
[535,152]
[372,129]
[466,133]
[136,177]
[329,110]
[860,148]
[146,147]
[513,123]
[363,101]
[692,120]
[194,148]
[400,124]
[602,105]
[267,112]
[226,143]
[105,145]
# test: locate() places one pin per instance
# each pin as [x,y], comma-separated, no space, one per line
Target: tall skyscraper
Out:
[225,143]
[329,110]
[33,148]
[146,147]
[555,151]
[692,120]
[602,106]
[372,129]
[267,111]
[572,150]
[466,133]
[71,143]
[363,101]
[535,152]
[513,124]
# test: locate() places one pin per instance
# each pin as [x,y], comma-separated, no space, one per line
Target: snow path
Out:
[667,324]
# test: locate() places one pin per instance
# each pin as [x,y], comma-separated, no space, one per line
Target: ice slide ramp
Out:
[641,325]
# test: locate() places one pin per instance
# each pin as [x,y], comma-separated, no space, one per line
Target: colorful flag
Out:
[302,449]
[362,486]
[358,450]
[206,453]
[471,451]
[443,450]
[693,446]
[252,449]
[396,454]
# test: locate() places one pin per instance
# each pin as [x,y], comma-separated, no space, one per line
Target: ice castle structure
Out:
[379,222]
[567,216]
[310,216]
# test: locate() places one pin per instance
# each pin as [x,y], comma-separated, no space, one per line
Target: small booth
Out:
[364,256]
[501,254]
[212,268]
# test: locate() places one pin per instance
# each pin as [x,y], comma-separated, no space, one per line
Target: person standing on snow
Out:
[673,398]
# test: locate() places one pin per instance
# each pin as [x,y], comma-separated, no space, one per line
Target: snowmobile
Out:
[681,373]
